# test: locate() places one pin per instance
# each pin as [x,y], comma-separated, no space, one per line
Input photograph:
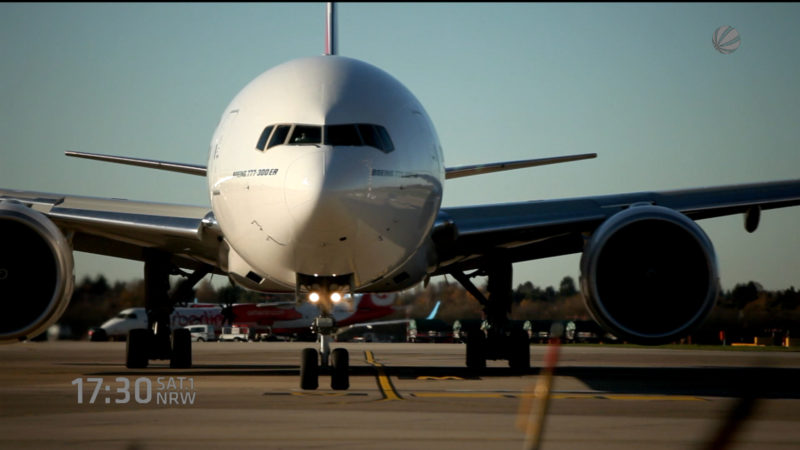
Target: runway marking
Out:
[565,396]
[319,394]
[384,383]
[446,377]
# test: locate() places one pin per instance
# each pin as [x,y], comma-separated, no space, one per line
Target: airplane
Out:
[325,177]
[274,318]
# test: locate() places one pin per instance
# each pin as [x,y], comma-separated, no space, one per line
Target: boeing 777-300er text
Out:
[325,177]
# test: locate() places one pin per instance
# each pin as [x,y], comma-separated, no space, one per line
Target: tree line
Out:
[747,308]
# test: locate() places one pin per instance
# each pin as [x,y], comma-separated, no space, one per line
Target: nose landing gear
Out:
[336,362]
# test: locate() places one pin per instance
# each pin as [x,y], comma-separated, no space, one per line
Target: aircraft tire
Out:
[476,350]
[519,357]
[340,373]
[137,348]
[181,357]
[309,369]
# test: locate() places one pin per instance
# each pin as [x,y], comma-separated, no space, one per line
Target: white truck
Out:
[238,333]
[202,333]
[116,328]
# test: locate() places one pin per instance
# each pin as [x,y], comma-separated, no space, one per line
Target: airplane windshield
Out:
[306,134]
[359,135]
[345,135]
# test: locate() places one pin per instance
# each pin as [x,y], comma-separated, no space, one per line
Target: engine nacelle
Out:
[649,275]
[36,278]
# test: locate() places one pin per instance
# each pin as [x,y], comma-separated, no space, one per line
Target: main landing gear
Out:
[158,341]
[496,339]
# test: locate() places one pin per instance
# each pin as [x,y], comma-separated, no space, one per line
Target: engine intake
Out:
[36,278]
[649,275]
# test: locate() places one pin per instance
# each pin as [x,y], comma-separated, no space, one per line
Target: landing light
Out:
[313,297]
[336,297]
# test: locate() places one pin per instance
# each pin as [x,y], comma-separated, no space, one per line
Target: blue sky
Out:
[640,84]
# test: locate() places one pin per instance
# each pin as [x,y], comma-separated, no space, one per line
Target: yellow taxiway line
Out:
[384,383]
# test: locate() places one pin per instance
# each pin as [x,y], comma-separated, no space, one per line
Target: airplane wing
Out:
[465,237]
[124,228]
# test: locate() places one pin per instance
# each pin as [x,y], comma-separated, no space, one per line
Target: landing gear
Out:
[476,350]
[309,369]
[496,339]
[159,341]
[325,292]
[181,357]
[337,362]
[340,366]
[137,348]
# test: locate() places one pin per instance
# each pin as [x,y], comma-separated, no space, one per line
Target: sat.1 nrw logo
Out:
[726,39]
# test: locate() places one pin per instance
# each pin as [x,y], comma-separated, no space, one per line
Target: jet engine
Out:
[36,278]
[649,275]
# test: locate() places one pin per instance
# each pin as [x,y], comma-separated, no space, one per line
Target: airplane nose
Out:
[303,185]
[322,187]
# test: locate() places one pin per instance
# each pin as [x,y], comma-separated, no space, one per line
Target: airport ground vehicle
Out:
[236,334]
[202,333]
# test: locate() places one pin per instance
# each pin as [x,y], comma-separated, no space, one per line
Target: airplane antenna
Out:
[330,30]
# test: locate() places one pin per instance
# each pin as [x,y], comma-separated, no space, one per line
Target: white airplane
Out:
[325,177]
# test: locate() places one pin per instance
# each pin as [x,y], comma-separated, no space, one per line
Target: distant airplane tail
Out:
[434,311]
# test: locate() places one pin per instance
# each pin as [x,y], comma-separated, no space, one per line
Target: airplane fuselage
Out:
[325,167]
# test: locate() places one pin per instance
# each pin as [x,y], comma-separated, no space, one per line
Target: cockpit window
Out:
[262,141]
[376,136]
[345,135]
[306,134]
[386,142]
[359,134]
[369,135]
[279,135]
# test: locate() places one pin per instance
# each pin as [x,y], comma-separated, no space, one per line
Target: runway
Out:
[246,395]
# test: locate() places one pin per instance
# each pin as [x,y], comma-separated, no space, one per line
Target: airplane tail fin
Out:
[434,311]
[330,30]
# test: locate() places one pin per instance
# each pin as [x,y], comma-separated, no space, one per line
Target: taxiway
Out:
[401,396]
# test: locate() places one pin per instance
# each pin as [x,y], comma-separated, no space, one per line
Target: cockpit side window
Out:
[345,135]
[262,141]
[279,135]
[305,135]
[376,136]
[369,135]
[386,142]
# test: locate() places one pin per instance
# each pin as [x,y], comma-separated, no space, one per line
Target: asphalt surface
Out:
[246,395]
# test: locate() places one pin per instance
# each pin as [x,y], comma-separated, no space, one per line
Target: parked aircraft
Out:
[282,319]
[325,177]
